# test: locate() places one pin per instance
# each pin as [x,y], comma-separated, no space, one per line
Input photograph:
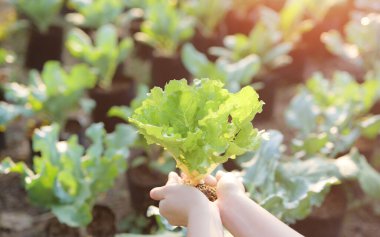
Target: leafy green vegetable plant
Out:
[51,95]
[360,44]
[41,12]
[95,13]
[330,116]
[208,13]
[67,179]
[200,125]
[104,54]
[233,75]
[289,187]
[272,38]
[165,27]
[153,157]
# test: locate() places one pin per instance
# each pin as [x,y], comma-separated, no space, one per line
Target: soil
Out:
[18,218]
[361,223]
[209,191]
[13,196]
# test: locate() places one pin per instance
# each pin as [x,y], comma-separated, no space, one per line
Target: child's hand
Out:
[241,215]
[227,185]
[180,202]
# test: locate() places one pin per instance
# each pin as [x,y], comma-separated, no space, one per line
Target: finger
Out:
[158,193]
[219,174]
[210,180]
[173,178]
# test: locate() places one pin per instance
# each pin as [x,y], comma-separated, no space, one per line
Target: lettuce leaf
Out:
[67,178]
[201,125]
[289,188]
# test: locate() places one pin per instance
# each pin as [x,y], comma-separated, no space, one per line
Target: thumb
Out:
[173,178]
[158,193]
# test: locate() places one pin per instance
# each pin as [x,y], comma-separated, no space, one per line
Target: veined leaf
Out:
[104,54]
[68,180]
[289,189]
[201,125]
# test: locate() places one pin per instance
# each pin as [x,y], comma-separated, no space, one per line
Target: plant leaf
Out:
[192,123]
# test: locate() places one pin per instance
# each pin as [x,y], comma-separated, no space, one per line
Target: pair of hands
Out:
[179,202]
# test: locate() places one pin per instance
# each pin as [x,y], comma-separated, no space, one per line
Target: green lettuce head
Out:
[201,125]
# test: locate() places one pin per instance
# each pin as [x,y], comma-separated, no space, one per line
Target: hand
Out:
[227,185]
[241,215]
[229,189]
[180,202]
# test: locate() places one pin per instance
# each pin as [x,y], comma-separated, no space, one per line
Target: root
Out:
[208,190]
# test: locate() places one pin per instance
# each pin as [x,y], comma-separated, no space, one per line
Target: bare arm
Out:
[242,216]
[205,221]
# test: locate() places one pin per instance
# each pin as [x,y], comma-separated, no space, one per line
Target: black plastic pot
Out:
[119,94]
[293,73]
[143,51]
[3,142]
[204,43]
[316,227]
[56,229]
[335,19]
[267,94]
[1,89]
[231,165]
[43,47]
[238,24]
[165,69]
[103,223]
[73,127]
[141,179]
[375,108]
[2,133]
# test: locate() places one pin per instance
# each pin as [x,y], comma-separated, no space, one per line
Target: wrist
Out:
[200,208]
[227,203]
[205,221]
[231,197]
